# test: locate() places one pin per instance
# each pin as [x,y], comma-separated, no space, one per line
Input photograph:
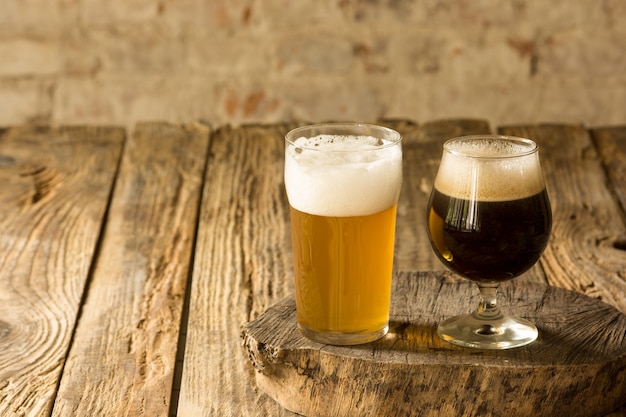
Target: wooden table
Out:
[129,264]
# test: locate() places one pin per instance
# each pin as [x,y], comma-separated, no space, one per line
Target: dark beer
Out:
[489,219]
[489,241]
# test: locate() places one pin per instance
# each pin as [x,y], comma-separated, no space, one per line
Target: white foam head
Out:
[343,175]
[506,168]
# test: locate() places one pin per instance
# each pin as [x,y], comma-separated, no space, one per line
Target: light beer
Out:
[343,192]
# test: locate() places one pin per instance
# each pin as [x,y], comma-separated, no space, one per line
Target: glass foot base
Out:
[501,333]
[342,339]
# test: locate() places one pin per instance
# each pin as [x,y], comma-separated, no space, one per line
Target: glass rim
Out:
[339,129]
[531,144]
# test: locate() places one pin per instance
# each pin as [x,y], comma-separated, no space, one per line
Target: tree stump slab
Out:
[577,366]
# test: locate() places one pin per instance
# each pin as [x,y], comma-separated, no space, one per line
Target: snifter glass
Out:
[489,220]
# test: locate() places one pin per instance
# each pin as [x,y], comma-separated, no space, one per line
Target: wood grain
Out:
[587,220]
[124,351]
[575,368]
[92,286]
[55,189]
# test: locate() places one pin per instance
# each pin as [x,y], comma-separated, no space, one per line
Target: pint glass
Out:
[343,183]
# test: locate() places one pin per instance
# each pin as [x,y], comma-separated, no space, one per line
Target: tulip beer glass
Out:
[489,220]
[343,183]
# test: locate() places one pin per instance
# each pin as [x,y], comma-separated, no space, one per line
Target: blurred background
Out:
[257,61]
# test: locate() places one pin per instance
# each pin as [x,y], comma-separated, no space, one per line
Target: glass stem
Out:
[488,308]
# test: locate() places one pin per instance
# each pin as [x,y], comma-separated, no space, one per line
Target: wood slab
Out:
[577,367]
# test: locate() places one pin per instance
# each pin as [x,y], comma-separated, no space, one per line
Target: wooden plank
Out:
[242,266]
[55,189]
[124,352]
[586,219]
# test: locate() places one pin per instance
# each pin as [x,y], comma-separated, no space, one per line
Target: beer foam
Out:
[501,177]
[339,176]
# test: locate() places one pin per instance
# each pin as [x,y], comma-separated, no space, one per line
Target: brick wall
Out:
[240,61]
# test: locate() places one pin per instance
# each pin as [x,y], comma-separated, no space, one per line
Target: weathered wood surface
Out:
[577,366]
[124,351]
[54,194]
[93,281]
